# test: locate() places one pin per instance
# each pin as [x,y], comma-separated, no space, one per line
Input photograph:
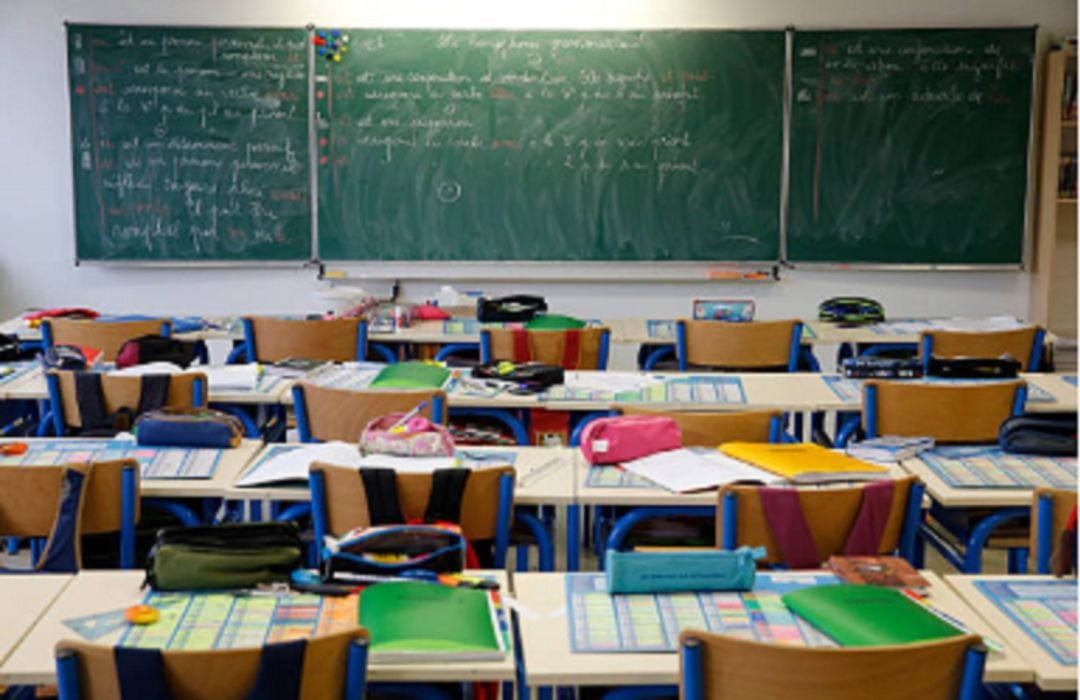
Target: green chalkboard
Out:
[551,145]
[190,144]
[910,146]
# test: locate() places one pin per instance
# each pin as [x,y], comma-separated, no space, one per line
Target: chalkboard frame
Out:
[310,261]
[1031,152]
[571,269]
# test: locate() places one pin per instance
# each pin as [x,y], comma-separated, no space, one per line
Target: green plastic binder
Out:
[553,322]
[863,616]
[423,621]
[411,375]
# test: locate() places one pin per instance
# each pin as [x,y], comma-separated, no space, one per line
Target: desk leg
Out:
[573,538]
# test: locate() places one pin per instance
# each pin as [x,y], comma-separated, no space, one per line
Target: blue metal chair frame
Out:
[1044,532]
[67,672]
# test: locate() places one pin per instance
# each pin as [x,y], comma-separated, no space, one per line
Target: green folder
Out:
[424,621]
[553,322]
[411,375]
[863,616]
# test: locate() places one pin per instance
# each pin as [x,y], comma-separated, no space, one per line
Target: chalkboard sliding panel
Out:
[910,148]
[551,145]
[189,145]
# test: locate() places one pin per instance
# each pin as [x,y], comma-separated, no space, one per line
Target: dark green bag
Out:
[240,555]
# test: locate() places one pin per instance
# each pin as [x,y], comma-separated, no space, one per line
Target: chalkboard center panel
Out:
[190,143]
[489,145]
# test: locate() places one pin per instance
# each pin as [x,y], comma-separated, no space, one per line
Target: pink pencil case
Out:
[623,438]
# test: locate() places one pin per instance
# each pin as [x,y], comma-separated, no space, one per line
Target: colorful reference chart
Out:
[600,476]
[1044,610]
[348,375]
[645,622]
[154,462]
[848,389]
[196,621]
[704,389]
[660,328]
[915,326]
[989,467]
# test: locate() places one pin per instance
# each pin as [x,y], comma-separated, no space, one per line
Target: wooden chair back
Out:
[1019,343]
[119,391]
[1061,503]
[107,336]
[549,346]
[739,669]
[29,494]
[946,412]
[342,414]
[347,506]
[217,674]
[333,340]
[712,428]
[751,345]
[830,514]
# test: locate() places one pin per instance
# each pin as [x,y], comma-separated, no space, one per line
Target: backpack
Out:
[153,393]
[1051,434]
[156,348]
[516,308]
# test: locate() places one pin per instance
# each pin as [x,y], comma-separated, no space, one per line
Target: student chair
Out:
[106,336]
[1050,513]
[269,339]
[801,527]
[185,390]
[333,666]
[1023,344]
[61,504]
[722,667]
[947,412]
[699,429]
[324,413]
[752,345]
[575,348]
[339,503]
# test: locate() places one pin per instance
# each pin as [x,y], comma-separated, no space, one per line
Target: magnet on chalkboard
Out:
[335,33]
[322,50]
[329,57]
[320,41]
[321,33]
[344,49]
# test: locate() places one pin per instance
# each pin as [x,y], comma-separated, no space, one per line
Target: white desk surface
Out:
[92,592]
[24,598]
[544,477]
[1049,674]
[232,463]
[31,386]
[549,660]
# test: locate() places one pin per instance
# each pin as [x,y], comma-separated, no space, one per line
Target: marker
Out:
[405,418]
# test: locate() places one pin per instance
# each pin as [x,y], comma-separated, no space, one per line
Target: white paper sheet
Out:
[412,465]
[609,381]
[293,465]
[695,469]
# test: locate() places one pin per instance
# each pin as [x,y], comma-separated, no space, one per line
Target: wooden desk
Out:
[545,476]
[94,592]
[31,386]
[229,467]
[550,662]
[1048,673]
[24,598]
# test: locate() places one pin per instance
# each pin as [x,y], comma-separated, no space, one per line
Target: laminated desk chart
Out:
[349,375]
[1044,610]
[600,476]
[154,462]
[10,371]
[700,389]
[194,621]
[848,389]
[990,467]
[644,622]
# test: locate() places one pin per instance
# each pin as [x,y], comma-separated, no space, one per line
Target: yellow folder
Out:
[803,461]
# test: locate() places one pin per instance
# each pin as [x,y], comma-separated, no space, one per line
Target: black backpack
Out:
[511,309]
[1040,434]
[153,393]
[156,348]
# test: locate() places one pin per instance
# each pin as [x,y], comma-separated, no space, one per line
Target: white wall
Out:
[36,237]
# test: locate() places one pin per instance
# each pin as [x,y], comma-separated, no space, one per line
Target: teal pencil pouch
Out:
[667,572]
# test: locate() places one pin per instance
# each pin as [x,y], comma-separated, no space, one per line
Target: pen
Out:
[405,418]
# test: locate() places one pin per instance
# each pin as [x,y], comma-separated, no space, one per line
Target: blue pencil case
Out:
[188,427]
[667,572]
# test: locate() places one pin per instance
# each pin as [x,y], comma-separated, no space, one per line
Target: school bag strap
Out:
[91,402]
[380,488]
[571,356]
[89,397]
[790,530]
[447,492]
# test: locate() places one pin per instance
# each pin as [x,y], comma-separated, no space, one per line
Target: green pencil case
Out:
[667,572]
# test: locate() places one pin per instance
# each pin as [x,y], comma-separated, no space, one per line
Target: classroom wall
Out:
[35,183]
